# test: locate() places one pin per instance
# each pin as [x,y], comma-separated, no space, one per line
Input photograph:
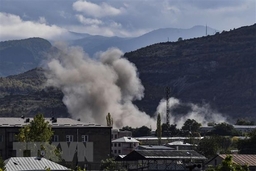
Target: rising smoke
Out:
[201,113]
[93,88]
[108,84]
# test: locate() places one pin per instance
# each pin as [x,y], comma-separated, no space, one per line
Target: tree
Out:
[228,165]
[142,131]
[2,167]
[109,120]
[224,129]
[159,128]
[247,146]
[127,128]
[205,143]
[244,122]
[138,132]
[40,131]
[180,39]
[37,131]
[171,131]
[191,126]
[217,144]
[110,165]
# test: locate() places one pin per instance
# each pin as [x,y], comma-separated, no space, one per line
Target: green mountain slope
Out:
[24,94]
[17,56]
[219,70]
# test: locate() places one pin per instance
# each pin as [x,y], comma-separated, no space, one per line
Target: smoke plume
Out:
[201,113]
[94,87]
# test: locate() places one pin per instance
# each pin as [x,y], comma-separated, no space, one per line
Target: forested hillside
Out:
[17,56]
[25,94]
[219,70]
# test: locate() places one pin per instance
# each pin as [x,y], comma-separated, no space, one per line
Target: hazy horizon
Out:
[122,18]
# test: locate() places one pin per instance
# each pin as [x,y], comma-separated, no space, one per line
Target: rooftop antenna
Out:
[167,105]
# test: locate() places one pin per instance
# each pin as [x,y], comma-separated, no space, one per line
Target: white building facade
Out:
[124,145]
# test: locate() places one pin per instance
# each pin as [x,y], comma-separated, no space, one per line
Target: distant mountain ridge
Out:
[17,56]
[93,44]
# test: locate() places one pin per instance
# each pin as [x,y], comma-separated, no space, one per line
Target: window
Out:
[115,144]
[119,151]
[85,138]
[115,151]
[69,138]
[119,145]
[55,138]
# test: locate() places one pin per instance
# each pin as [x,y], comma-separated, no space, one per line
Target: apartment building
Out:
[124,145]
[116,133]
[82,144]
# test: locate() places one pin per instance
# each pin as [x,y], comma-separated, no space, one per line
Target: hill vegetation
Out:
[219,70]
[17,56]
[25,94]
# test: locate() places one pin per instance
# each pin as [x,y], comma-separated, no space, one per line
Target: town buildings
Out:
[82,144]
[116,133]
[124,145]
[241,128]
[241,159]
[32,163]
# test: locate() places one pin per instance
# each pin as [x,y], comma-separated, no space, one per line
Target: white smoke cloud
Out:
[108,84]
[201,113]
[92,88]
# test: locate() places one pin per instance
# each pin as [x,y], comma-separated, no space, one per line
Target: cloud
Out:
[133,18]
[13,27]
[88,21]
[95,10]
[42,20]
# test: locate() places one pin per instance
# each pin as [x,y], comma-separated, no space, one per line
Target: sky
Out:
[55,19]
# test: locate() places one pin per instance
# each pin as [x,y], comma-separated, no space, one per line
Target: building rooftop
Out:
[153,147]
[125,140]
[235,126]
[163,155]
[31,163]
[179,143]
[242,159]
[166,138]
[54,122]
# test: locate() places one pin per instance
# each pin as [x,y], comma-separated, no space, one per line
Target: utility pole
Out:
[167,110]
[206,30]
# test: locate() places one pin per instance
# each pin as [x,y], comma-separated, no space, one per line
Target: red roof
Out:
[242,159]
